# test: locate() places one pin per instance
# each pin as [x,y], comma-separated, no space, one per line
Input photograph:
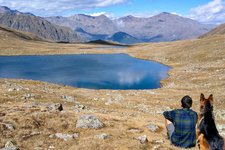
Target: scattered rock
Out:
[135,130]
[143,139]
[66,137]
[9,146]
[8,126]
[102,136]
[11,89]
[51,147]
[16,88]
[56,106]
[158,141]
[79,106]
[89,121]
[114,99]
[221,129]
[51,136]
[156,147]
[220,114]
[68,98]
[152,127]
[32,105]
[28,96]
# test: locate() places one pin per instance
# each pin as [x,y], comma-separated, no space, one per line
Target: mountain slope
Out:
[93,25]
[9,32]
[36,25]
[162,27]
[220,30]
[124,38]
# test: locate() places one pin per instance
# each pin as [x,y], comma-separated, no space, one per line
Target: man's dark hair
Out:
[186,102]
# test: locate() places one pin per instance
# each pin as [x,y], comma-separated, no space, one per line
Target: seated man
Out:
[181,124]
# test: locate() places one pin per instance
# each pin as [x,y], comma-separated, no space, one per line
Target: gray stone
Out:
[102,136]
[15,88]
[221,128]
[32,105]
[89,121]
[220,114]
[67,137]
[152,127]
[51,136]
[28,96]
[8,126]
[79,106]
[56,106]
[9,146]
[68,98]
[143,139]
[158,141]
[135,130]
[156,147]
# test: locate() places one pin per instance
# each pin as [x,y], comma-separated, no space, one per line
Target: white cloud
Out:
[143,14]
[109,15]
[51,7]
[212,13]
[98,14]
[130,77]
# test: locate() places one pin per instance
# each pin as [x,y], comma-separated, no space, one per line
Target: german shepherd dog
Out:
[208,137]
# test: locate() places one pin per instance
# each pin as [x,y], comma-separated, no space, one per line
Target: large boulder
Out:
[56,106]
[67,137]
[143,139]
[152,127]
[9,146]
[89,121]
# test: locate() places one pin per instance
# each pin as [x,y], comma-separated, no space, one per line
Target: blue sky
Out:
[142,7]
[206,11]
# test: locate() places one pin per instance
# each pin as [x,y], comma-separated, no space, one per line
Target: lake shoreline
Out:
[126,66]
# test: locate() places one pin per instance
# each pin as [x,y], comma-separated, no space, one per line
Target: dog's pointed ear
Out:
[210,98]
[202,97]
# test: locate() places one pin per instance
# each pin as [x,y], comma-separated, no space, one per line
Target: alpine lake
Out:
[92,71]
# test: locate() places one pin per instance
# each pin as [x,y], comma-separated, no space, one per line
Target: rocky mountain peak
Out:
[102,16]
[37,25]
[128,18]
[4,9]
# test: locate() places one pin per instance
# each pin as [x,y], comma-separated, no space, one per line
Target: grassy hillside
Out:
[16,34]
[220,30]
[198,66]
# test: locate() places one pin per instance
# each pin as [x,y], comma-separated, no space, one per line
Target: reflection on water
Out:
[111,71]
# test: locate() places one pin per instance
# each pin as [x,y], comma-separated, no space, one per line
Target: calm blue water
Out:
[95,71]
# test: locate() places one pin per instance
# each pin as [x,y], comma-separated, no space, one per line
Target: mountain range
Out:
[162,27]
[127,30]
[39,26]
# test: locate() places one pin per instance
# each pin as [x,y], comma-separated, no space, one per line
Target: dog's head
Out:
[206,104]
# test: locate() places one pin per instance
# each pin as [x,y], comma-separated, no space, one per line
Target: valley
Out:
[30,107]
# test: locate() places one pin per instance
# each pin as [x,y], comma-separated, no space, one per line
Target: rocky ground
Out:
[42,116]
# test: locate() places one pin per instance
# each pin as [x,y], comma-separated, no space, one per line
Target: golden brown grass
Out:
[197,66]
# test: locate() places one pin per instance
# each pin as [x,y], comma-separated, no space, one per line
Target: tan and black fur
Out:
[207,134]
